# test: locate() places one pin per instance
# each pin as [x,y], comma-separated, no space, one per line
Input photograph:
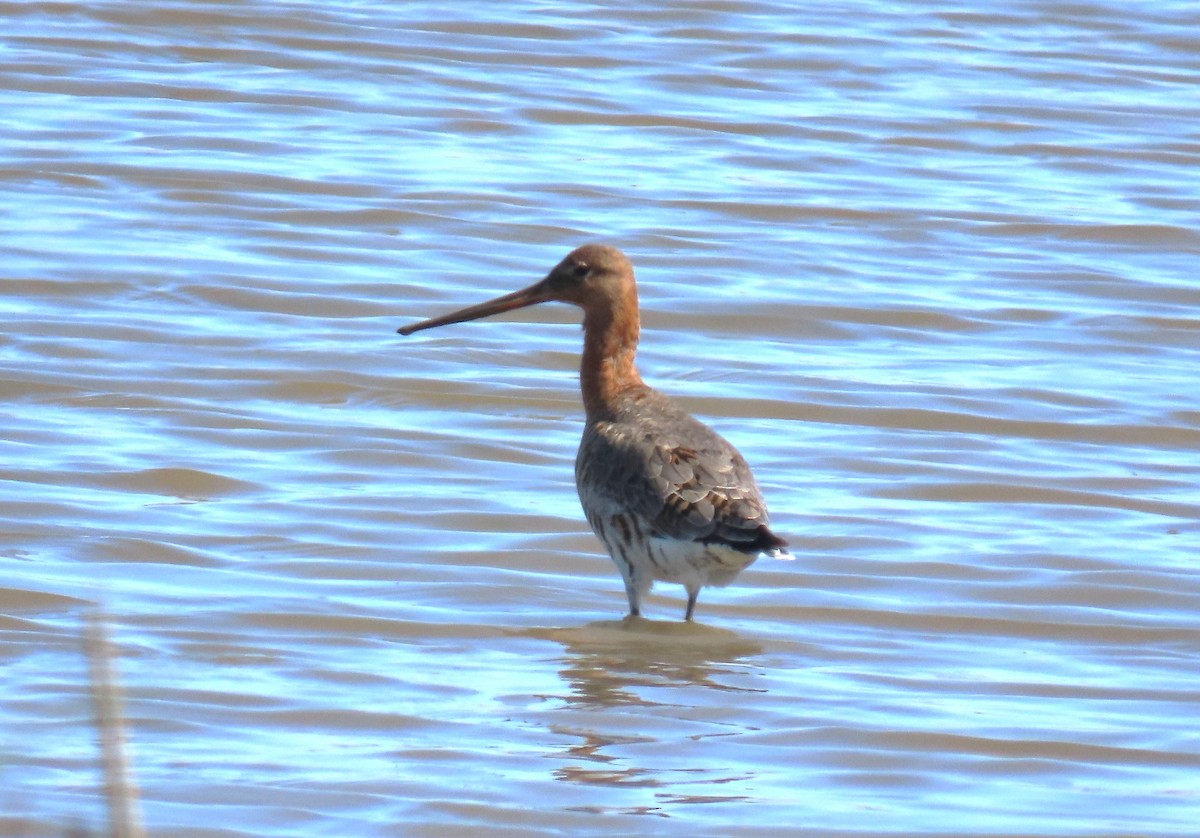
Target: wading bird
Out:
[670,498]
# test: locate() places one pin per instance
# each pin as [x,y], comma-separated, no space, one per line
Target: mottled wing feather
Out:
[655,461]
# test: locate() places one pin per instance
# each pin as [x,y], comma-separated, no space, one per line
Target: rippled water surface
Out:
[932,267]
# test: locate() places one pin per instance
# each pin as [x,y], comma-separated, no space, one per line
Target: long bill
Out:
[534,294]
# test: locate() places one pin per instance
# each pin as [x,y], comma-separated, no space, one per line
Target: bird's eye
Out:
[580,270]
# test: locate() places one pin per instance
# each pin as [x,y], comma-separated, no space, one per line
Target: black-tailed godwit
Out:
[670,498]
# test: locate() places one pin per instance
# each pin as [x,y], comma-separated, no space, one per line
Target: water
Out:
[930,266]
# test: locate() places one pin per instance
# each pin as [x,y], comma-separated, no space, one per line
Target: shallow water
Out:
[932,268]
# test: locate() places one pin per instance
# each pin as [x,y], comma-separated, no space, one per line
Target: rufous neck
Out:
[610,340]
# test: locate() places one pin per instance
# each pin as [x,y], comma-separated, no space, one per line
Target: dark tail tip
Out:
[768,540]
[761,540]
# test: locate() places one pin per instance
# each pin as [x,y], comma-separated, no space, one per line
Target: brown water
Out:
[932,267]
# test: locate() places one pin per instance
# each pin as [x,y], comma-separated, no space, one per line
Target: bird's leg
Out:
[691,606]
[631,591]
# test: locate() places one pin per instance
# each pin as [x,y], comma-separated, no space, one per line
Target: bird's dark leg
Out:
[691,606]
[631,592]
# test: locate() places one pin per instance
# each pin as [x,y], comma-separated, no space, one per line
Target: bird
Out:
[670,498]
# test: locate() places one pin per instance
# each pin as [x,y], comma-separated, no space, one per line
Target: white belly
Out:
[644,559]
